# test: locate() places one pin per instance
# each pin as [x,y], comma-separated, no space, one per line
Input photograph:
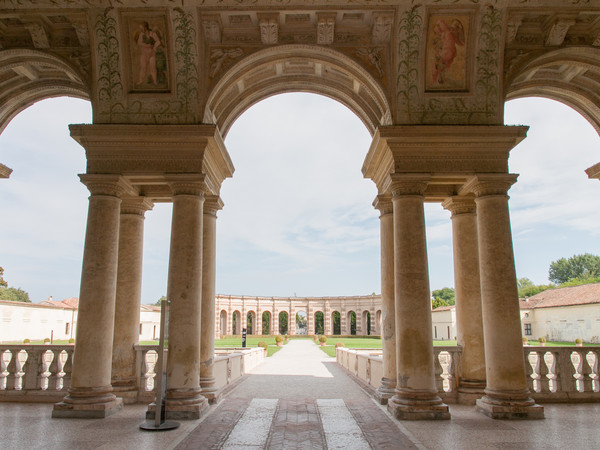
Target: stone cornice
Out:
[460,205]
[5,171]
[146,154]
[489,184]
[594,171]
[111,185]
[384,204]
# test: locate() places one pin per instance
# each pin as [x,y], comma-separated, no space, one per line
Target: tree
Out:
[319,322]
[583,267]
[2,281]
[527,288]
[443,297]
[159,302]
[14,295]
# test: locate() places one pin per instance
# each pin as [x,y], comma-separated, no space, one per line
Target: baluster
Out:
[13,379]
[595,364]
[586,372]
[4,362]
[530,368]
[451,371]
[67,368]
[33,368]
[577,360]
[567,371]
[53,380]
[543,373]
[143,373]
[554,377]
[438,370]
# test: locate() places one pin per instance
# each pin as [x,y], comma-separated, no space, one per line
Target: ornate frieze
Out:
[325,29]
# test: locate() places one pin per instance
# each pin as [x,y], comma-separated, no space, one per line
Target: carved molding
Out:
[110,185]
[489,184]
[187,184]
[558,30]
[5,171]
[413,184]
[325,29]
[136,205]
[384,204]
[460,205]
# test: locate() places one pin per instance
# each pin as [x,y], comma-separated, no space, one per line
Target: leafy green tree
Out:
[14,294]
[528,288]
[336,319]
[2,281]
[583,267]
[443,297]
[283,322]
[319,323]
[159,301]
[266,322]
[579,281]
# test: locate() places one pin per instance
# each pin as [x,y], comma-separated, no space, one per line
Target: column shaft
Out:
[507,396]
[184,291]
[128,297]
[388,336]
[209,261]
[90,393]
[468,298]
[416,394]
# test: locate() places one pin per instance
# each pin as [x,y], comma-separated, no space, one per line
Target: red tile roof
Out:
[569,296]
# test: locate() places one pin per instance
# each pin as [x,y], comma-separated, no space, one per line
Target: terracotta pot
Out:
[280,344]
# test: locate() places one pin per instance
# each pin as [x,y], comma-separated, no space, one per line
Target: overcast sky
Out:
[298,216]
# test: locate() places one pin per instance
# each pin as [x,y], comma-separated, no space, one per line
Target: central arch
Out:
[297,68]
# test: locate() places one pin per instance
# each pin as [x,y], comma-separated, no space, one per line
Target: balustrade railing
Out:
[42,373]
[554,374]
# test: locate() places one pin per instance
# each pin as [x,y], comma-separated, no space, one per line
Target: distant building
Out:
[561,314]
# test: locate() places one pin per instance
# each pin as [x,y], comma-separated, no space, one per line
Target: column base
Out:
[128,392]
[469,391]
[76,405]
[431,408]
[385,391]
[180,406]
[209,391]
[510,409]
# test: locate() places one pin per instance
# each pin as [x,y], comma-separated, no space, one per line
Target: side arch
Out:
[568,75]
[297,68]
[28,76]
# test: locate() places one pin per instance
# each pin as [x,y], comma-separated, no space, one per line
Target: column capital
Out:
[383,202]
[460,205]
[413,184]
[190,184]
[212,204]
[489,184]
[111,185]
[136,205]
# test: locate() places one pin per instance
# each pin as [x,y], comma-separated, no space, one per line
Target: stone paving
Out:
[300,399]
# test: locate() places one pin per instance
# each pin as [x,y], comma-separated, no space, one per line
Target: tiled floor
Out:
[300,399]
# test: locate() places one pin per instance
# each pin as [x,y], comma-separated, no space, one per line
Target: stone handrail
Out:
[42,373]
[554,374]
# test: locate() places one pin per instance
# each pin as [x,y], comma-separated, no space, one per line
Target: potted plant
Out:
[26,341]
[322,340]
[578,342]
[279,340]
[339,344]
[71,341]
[263,344]
[46,341]
[287,338]
[542,341]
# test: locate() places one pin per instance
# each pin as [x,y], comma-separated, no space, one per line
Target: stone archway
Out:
[251,322]
[267,323]
[297,68]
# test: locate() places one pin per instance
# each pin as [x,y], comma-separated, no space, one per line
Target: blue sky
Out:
[298,218]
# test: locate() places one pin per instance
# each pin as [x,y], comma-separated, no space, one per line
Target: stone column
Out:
[388,336]
[416,395]
[209,260]
[507,396]
[90,394]
[184,291]
[229,322]
[468,298]
[128,297]
[275,322]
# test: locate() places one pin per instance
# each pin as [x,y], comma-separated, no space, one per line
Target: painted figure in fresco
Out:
[152,56]
[447,37]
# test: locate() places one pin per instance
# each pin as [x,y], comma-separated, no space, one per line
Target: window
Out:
[527,329]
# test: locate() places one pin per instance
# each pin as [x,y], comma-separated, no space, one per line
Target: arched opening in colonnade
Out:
[336,323]
[223,323]
[301,323]
[351,323]
[283,322]
[251,322]
[266,323]
[236,323]
[319,322]
[366,323]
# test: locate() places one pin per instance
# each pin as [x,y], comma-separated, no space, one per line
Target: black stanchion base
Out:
[165,426]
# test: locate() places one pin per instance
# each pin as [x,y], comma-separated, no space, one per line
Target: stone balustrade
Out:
[554,374]
[42,373]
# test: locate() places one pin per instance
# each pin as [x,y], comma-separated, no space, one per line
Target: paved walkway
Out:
[300,399]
